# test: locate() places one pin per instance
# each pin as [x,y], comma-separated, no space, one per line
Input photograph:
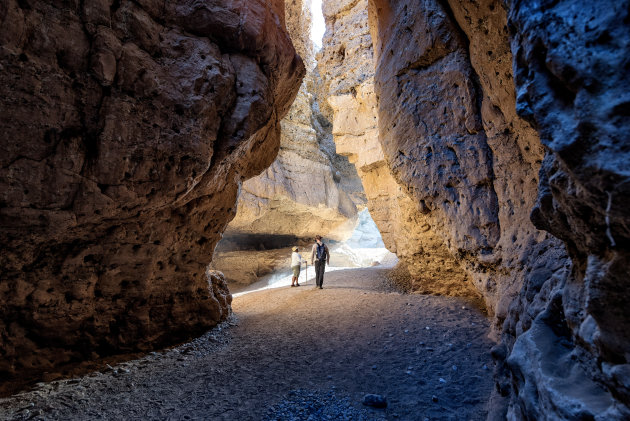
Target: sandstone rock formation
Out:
[127,129]
[470,166]
[301,193]
[347,67]
[571,72]
[307,190]
[452,139]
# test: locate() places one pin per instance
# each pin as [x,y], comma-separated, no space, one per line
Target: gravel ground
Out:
[297,354]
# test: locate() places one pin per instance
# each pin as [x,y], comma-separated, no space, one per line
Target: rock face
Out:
[346,64]
[469,165]
[127,129]
[452,139]
[301,193]
[307,190]
[572,67]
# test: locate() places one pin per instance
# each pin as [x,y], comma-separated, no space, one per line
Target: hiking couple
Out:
[319,254]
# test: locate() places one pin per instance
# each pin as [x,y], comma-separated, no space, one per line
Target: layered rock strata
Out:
[301,193]
[346,63]
[127,130]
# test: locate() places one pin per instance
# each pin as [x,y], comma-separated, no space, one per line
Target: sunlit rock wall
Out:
[452,138]
[347,67]
[471,166]
[301,193]
[127,129]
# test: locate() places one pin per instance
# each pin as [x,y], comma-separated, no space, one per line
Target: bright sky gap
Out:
[318,28]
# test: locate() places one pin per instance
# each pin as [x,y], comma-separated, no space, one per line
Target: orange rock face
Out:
[127,129]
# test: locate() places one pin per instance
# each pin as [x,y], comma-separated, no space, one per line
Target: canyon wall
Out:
[347,67]
[451,136]
[301,193]
[127,129]
[572,70]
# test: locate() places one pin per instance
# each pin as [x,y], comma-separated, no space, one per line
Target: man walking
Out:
[321,256]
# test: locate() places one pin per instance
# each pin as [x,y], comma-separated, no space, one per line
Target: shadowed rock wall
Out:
[452,138]
[572,70]
[127,129]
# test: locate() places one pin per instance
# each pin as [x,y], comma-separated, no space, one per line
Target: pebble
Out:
[454,368]
[406,330]
[442,380]
[434,398]
[374,367]
[316,405]
[485,367]
[427,328]
[376,401]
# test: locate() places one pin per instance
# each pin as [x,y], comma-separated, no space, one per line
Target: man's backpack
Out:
[321,252]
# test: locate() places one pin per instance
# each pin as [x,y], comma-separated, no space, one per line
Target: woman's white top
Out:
[296,259]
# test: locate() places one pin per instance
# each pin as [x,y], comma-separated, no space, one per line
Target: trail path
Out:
[291,353]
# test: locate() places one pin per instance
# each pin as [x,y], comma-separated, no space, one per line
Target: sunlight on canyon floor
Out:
[364,248]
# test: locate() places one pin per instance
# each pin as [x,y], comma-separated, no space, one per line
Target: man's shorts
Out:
[296,270]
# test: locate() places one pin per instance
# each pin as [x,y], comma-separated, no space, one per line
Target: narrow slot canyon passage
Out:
[166,169]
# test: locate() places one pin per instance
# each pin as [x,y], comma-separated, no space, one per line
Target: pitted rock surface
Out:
[346,64]
[127,129]
[452,137]
[571,63]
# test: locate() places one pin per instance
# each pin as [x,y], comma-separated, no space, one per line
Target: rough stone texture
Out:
[572,69]
[346,63]
[451,136]
[127,128]
[470,166]
[301,193]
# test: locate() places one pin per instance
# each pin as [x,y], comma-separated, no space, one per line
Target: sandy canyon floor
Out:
[297,354]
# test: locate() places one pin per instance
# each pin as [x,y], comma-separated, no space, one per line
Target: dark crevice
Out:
[114,7]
